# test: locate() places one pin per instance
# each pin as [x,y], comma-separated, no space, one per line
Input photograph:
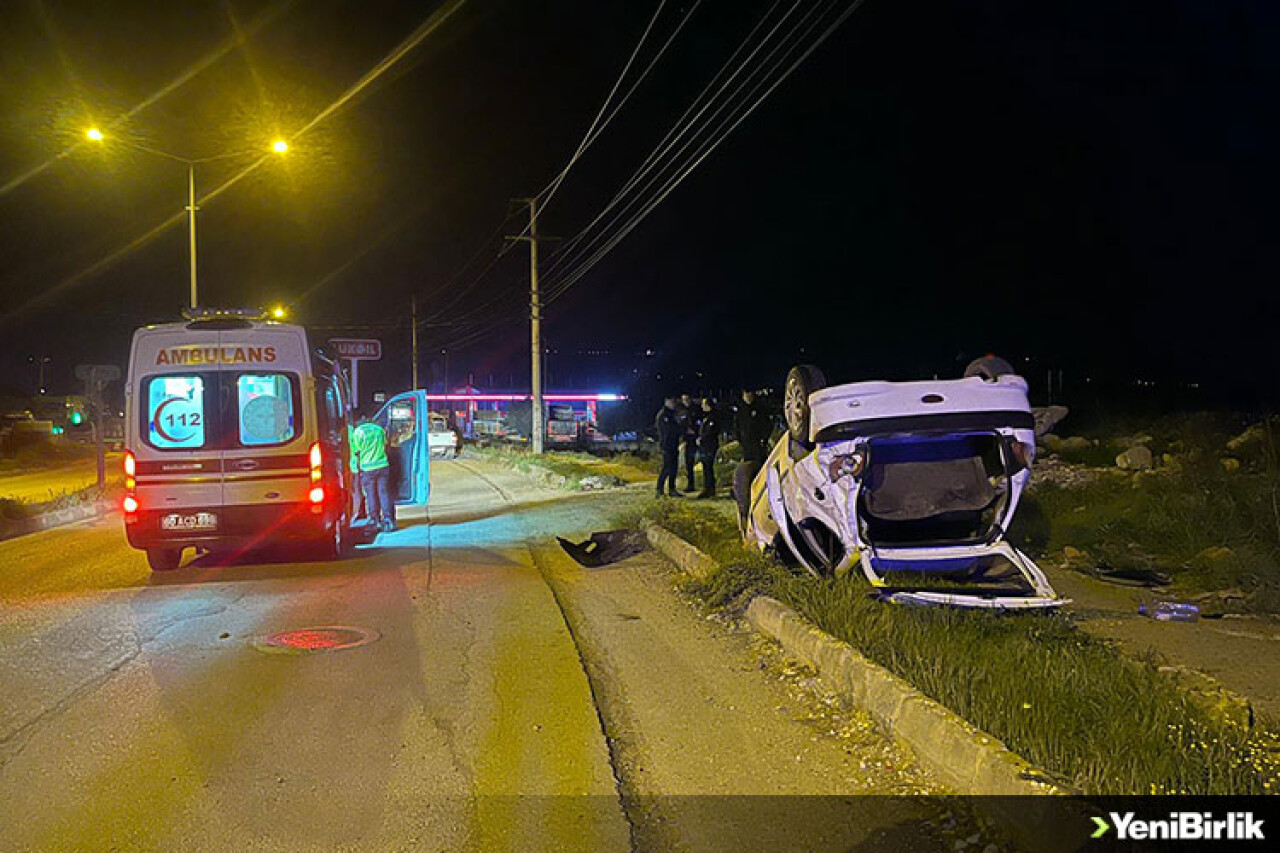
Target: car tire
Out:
[802,380]
[164,559]
[989,367]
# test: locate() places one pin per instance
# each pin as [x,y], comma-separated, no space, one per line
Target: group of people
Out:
[697,426]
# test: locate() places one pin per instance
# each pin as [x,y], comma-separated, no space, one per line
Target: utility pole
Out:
[535,333]
[413,313]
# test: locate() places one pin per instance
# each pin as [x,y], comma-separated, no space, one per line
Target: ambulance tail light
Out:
[317,495]
[130,503]
[317,458]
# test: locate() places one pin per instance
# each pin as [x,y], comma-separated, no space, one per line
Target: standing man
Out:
[670,430]
[708,446]
[370,450]
[690,415]
[754,427]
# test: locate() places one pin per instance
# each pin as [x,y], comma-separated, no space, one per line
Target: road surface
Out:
[511,700]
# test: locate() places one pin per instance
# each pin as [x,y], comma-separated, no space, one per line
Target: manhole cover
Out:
[329,638]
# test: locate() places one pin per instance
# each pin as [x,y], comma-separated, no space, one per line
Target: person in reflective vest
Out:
[369,450]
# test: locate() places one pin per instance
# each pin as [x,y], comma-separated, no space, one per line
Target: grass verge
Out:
[1065,701]
[571,470]
[1208,515]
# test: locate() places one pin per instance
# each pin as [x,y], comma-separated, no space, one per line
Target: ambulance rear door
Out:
[267,404]
[178,454]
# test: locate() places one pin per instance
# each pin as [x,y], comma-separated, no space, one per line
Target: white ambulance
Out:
[236,438]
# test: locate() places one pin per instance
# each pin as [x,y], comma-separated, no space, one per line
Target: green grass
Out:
[1209,526]
[1067,702]
[572,466]
[16,510]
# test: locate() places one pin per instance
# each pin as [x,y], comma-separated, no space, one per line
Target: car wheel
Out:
[164,559]
[802,381]
[989,367]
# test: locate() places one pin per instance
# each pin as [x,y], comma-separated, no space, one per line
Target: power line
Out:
[708,147]
[665,144]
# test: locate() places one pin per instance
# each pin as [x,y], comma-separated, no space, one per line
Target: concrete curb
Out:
[965,757]
[678,551]
[968,759]
[56,518]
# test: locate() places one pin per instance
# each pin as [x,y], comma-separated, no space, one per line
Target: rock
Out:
[1076,443]
[1136,458]
[1073,556]
[598,481]
[1126,441]
[1251,439]
[1050,442]
[1216,555]
[1047,417]
[1230,465]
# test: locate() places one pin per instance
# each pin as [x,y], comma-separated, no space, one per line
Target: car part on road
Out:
[604,548]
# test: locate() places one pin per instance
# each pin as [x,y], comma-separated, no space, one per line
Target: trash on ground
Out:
[604,547]
[1170,611]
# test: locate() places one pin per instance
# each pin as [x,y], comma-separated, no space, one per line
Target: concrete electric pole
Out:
[537,409]
[413,314]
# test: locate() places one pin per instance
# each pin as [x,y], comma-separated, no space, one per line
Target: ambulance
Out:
[236,438]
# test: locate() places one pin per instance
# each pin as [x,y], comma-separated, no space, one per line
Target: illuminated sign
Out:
[363,349]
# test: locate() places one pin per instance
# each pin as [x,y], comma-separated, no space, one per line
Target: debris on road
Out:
[604,547]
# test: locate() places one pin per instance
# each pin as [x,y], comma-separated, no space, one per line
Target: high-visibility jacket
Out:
[369,447]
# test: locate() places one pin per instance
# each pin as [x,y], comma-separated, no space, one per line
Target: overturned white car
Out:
[914,482]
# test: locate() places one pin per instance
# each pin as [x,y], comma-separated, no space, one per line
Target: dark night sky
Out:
[1089,186]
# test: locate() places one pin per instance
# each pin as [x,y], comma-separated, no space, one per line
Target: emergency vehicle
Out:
[236,437]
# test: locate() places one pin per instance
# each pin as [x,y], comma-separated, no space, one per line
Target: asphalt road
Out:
[511,700]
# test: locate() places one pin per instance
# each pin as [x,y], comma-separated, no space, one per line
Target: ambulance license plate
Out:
[182,522]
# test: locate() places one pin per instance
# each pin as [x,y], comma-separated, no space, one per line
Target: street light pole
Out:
[278,147]
[191,219]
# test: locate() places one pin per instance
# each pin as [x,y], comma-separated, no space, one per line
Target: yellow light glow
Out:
[94,134]
[279,146]
[279,312]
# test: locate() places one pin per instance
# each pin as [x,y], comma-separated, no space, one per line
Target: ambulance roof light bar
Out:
[206,314]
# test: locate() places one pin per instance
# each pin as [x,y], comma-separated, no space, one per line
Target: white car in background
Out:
[443,441]
[915,483]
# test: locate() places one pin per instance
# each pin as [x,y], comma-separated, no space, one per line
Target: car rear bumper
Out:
[243,526]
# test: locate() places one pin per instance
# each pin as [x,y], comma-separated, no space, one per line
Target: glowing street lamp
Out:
[278,147]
